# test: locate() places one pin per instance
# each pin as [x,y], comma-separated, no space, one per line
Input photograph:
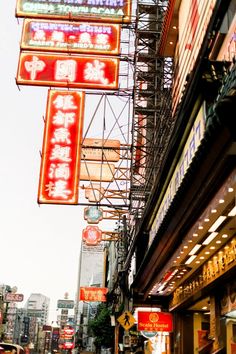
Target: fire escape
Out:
[152,118]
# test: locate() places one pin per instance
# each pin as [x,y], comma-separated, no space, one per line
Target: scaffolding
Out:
[152,118]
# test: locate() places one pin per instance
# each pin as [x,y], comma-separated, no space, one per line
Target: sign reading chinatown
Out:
[155,321]
[92,235]
[93,294]
[68,71]
[96,10]
[60,163]
[73,37]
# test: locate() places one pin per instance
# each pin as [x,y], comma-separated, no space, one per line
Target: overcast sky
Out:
[39,245]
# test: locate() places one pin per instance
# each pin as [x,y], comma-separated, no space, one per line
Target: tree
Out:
[101,327]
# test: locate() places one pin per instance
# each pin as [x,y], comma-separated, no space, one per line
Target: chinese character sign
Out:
[93,294]
[68,71]
[60,163]
[92,235]
[95,10]
[75,37]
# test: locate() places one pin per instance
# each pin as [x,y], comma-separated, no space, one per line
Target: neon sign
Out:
[60,163]
[75,37]
[91,10]
[68,71]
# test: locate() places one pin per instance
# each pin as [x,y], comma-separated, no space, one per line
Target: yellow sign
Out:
[126,320]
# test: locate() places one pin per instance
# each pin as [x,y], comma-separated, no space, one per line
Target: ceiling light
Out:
[210,238]
[230,189]
[195,235]
[212,247]
[200,227]
[213,211]
[221,201]
[218,241]
[206,219]
[224,236]
[232,212]
[207,252]
[185,246]
[195,249]
[202,257]
[190,241]
[197,261]
[190,259]
[204,308]
[217,223]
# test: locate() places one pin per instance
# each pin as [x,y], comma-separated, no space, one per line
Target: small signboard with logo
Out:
[155,321]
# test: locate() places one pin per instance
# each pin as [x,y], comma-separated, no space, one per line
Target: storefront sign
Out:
[194,17]
[101,150]
[93,214]
[95,10]
[65,304]
[92,235]
[216,266]
[59,174]
[94,192]
[93,294]
[73,37]
[189,151]
[155,321]
[92,72]
[227,51]
[13,297]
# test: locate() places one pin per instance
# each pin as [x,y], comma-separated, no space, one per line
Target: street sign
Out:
[126,320]
[93,214]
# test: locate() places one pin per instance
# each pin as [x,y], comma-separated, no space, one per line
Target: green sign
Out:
[65,304]
[93,214]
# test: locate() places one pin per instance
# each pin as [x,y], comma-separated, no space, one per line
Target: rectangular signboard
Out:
[65,304]
[13,297]
[91,10]
[155,321]
[60,164]
[93,294]
[101,150]
[90,171]
[73,37]
[68,71]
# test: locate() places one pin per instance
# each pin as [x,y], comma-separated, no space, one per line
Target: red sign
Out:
[75,37]
[12,297]
[92,10]
[155,321]
[68,71]
[59,173]
[92,235]
[93,294]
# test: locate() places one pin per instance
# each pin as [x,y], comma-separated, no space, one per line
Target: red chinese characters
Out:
[60,163]
[68,71]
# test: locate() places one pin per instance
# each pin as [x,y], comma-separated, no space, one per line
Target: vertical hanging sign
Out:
[60,165]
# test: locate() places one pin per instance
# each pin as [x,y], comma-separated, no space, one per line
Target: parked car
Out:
[11,348]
